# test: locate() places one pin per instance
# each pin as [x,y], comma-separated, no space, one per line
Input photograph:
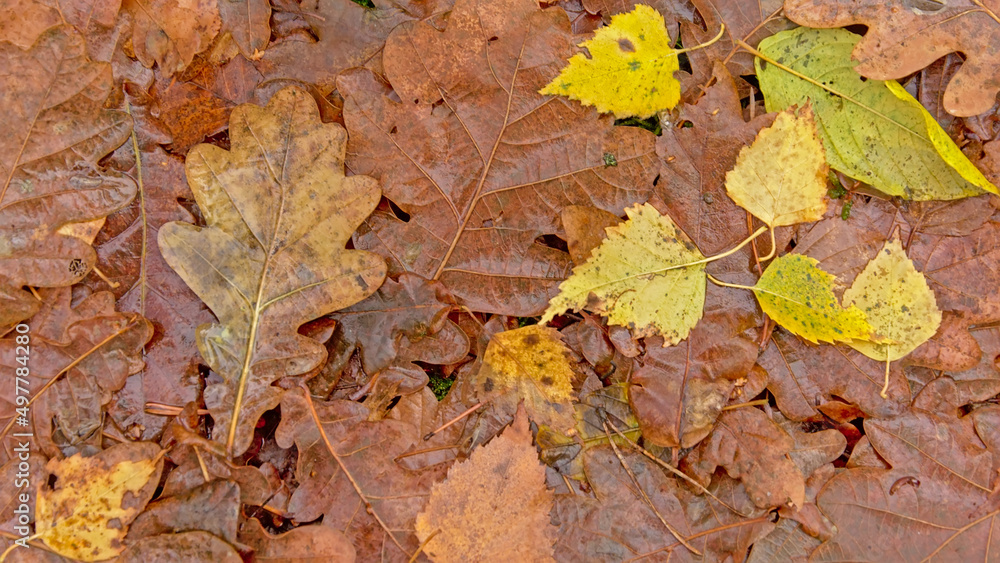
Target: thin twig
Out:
[441,428]
[645,497]
[340,462]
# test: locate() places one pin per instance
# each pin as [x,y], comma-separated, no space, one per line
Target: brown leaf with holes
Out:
[904,37]
[495,505]
[54,131]
[480,162]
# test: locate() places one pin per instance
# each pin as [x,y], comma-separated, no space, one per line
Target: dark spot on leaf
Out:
[488,385]
[626,45]
[531,340]
[547,380]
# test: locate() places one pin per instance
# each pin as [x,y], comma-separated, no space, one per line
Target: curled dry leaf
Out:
[84,507]
[529,364]
[54,131]
[870,128]
[494,505]
[279,212]
[78,356]
[781,177]
[171,32]
[903,38]
[628,69]
[755,450]
[480,162]
[646,275]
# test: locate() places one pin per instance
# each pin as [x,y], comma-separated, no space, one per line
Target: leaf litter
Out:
[406,210]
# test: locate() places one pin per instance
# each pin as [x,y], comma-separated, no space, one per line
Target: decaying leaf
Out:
[84,509]
[247,21]
[872,131]
[171,32]
[903,38]
[305,543]
[279,212]
[897,303]
[798,295]
[646,275]
[54,131]
[529,364]
[77,358]
[480,162]
[753,449]
[629,69]
[495,505]
[781,177]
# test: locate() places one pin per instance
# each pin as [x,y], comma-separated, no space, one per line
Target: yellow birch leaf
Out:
[781,177]
[798,295]
[493,506]
[529,364]
[85,514]
[898,303]
[640,278]
[630,71]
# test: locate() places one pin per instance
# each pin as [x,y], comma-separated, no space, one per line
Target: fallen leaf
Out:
[53,134]
[279,212]
[146,285]
[594,525]
[78,356]
[304,543]
[934,496]
[84,508]
[248,22]
[368,451]
[340,35]
[585,229]
[628,70]
[803,378]
[489,183]
[185,546]
[798,295]
[868,127]
[902,40]
[171,32]
[532,365]
[753,449]
[781,177]
[897,302]
[645,275]
[494,505]
[213,507]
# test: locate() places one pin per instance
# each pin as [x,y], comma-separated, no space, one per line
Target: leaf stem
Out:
[142,211]
[722,29]
[751,288]
[885,387]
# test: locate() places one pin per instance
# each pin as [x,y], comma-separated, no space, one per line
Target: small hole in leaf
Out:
[492,39]
[552,241]
[393,130]
[399,213]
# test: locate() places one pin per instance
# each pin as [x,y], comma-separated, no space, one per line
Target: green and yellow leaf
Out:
[798,295]
[643,276]
[900,306]
[873,130]
[630,71]
[781,177]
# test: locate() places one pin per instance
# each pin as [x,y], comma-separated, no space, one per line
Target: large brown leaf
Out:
[53,133]
[171,32]
[279,212]
[904,37]
[78,356]
[480,162]
[932,504]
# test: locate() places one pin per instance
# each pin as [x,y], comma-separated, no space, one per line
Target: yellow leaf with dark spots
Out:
[798,295]
[898,302]
[630,71]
